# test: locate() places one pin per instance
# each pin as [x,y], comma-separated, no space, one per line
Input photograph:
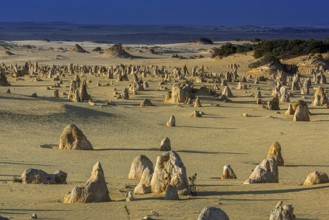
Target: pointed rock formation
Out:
[139,164]
[197,102]
[165,145]
[83,94]
[171,122]
[282,212]
[227,92]
[144,185]
[3,80]
[95,189]
[117,51]
[77,48]
[170,170]
[146,102]
[171,193]
[274,104]
[320,98]
[228,172]
[275,153]
[290,110]
[301,111]
[316,177]
[266,172]
[72,138]
[197,114]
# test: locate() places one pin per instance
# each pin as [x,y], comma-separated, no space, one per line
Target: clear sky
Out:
[173,12]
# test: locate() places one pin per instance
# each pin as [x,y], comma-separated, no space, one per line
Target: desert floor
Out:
[30,128]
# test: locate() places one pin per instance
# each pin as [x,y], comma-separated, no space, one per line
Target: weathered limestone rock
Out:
[258,95]
[125,93]
[129,197]
[197,114]
[273,104]
[138,165]
[320,97]
[56,94]
[260,102]
[241,86]
[282,212]
[275,153]
[301,111]
[171,122]
[228,172]
[266,172]
[212,213]
[227,92]
[146,102]
[73,95]
[170,170]
[3,80]
[224,98]
[197,102]
[83,94]
[179,94]
[72,138]
[95,189]
[144,185]
[165,145]
[285,97]
[316,177]
[290,110]
[41,177]
[296,83]
[305,90]
[171,193]
[77,48]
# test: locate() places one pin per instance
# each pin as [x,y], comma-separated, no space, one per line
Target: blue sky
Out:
[174,12]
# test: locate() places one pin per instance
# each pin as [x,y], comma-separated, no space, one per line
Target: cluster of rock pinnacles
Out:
[167,176]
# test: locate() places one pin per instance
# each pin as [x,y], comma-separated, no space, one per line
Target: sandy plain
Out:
[30,128]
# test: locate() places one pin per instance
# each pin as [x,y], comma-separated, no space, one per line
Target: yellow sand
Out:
[30,129]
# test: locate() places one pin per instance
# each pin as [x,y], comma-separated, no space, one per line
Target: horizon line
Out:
[171,24]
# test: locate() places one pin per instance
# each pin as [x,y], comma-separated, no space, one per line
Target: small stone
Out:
[154,213]
[165,145]
[129,197]
[171,122]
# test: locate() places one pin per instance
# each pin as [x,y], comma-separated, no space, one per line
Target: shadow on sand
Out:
[157,149]
[22,163]
[260,192]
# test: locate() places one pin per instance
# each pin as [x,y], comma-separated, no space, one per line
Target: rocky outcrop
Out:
[72,138]
[95,189]
[266,172]
[212,213]
[282,212]
[36,176]
[139,164]
[228,172]
[165,145]
[301,111]
[144,185]
[275,153]
[316,177]
[169,170]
